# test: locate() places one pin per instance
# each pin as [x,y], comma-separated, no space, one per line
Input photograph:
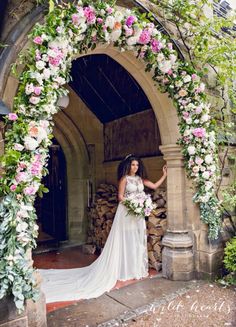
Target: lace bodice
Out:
[134,185]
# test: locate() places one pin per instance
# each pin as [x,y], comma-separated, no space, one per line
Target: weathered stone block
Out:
[9,315]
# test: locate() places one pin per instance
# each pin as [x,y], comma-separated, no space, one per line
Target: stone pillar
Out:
[177,255]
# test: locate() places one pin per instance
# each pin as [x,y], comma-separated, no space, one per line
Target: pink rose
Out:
[194,76]
[13,187]
[99,20]
[34,100]
[170,46]
[38,40]
[183,93]
[21,177]
[185,114]
[199,132]
[37,90]
[12,116]
[145,37]
[109,10]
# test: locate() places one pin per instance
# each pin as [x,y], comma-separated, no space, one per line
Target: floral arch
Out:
[68,30]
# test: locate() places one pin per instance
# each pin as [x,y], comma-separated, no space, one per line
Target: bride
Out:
[124,255]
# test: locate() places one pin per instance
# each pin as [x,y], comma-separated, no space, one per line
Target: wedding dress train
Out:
[124,257]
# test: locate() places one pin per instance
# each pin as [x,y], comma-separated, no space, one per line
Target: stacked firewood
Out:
[102,213]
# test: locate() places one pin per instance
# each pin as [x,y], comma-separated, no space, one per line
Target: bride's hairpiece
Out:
[129,155]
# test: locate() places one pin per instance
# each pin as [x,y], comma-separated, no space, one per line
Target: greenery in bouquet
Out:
[139,205]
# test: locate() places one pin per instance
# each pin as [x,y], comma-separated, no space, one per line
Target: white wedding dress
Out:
[124,257]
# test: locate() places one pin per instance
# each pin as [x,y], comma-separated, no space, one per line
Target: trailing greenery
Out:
[209,45]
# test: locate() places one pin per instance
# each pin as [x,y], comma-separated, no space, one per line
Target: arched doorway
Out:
[52,207]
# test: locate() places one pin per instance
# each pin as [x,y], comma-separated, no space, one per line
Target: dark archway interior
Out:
[107,88]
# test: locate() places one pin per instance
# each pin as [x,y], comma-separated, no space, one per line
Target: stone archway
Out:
[178,254]
[168,123]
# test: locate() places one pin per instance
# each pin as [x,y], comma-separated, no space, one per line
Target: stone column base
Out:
[33,316]
[177,256]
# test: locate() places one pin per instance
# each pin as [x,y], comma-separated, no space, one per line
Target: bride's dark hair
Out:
[125,166]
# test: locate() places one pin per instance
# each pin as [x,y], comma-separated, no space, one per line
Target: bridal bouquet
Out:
[139,205]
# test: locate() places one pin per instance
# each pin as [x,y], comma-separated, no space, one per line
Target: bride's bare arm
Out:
[121,189]
[154,186]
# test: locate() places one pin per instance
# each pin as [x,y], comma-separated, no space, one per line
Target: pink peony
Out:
[199,132]
[130,20]
[145,37]
[156,45]
[30,190]
[12,116]
[21,177]
[90,15]
[38,40]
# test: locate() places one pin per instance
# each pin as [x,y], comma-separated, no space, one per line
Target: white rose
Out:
[132,40]
[195,169]
[82,28]
[208,159]
[34,100]
[187,79]
[205,118]
[160,57]
[30,143]
[137,31]
[21,227]
[165,66]
[110,22]
[187,132]
[208,185]
[29,88]
[189,120]
[119,16]
[40,64]
[38,77]
[42,134]
[18,147]
[206,174]
[178,83]
[191,150]
[173,58]
[212,168]
[114,36]
[46,73]
[138,210]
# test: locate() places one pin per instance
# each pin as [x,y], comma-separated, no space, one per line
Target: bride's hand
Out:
[164,169]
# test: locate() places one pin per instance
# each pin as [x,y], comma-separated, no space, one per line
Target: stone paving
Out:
[123,306]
